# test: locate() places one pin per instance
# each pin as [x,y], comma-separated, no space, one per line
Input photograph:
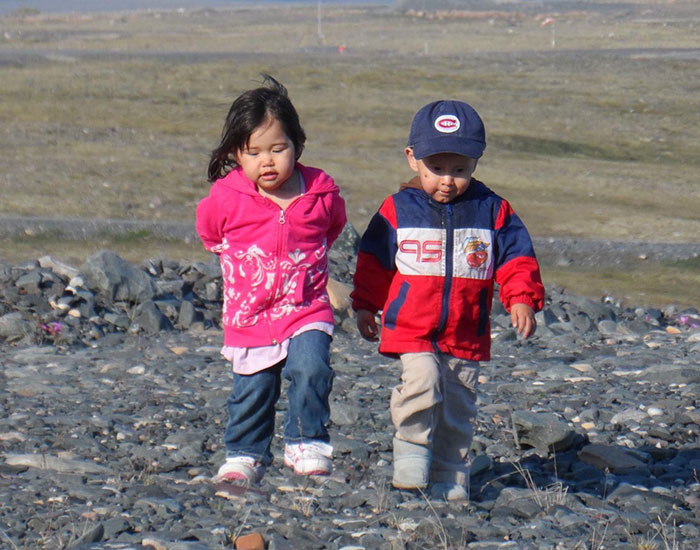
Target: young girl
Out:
[272,220]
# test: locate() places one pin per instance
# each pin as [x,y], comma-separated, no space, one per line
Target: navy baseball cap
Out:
[447,127]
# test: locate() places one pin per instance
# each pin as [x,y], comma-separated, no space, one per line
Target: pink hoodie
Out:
[273,261]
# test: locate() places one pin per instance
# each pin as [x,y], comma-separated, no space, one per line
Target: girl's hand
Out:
[522,317]
[367,325]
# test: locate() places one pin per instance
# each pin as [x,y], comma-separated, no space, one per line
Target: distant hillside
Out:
[481,5]
[433,5]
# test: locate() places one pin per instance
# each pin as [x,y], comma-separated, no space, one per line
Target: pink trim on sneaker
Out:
[241,469]
[309,457]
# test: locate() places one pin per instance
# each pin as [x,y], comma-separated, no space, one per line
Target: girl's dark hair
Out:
[247,113]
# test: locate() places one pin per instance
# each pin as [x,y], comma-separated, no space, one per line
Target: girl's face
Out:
[269,158]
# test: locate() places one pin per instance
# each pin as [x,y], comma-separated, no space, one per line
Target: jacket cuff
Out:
[357,305]
[522,299]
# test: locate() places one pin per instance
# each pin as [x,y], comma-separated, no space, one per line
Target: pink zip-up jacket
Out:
[274,262]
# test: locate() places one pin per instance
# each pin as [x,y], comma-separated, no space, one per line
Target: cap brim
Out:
[448,144]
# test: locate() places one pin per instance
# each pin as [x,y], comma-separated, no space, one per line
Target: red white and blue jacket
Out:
[430,267]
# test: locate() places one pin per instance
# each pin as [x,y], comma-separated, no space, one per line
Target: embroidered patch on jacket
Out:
[473,253]
[420,251]
[477,252]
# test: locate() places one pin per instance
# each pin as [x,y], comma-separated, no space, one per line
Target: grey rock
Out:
[94,534]
[64,270]
[277,542]
[118,320]
[546,317]
[117,280]
[629,415]
[13,327]
[611,458]
[672,374]
[480,464]
[594,310]
[166,544]
[171,287]
[188,314]
[344,414]
[543,431]
[30,282]
[149,318]
[170,307]
[59,464]
[518,502]
[606,326]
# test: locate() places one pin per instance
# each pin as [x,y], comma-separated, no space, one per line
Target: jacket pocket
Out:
[300,290]
[484,311]
[392,311]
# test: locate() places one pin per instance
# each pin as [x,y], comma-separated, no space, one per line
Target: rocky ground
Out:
[113,406]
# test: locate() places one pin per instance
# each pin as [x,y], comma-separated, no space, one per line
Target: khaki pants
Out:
[434,406]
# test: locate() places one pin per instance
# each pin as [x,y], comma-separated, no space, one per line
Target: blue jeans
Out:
[251,404]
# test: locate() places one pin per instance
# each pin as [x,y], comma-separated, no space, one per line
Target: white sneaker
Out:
[448,491]
[241,469]
[309,457]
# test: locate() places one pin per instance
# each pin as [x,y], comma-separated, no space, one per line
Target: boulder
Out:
[116,280]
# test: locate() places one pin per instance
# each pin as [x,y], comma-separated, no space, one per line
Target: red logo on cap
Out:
[447,124]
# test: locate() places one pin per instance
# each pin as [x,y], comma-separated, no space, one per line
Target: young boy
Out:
[428,260]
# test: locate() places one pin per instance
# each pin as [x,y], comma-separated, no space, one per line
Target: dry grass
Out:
[547,498]
[132,248]
[649,284]
[114,115]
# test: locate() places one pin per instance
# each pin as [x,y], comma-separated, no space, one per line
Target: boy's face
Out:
[444,176]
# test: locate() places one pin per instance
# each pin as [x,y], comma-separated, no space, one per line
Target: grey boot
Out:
[411,465]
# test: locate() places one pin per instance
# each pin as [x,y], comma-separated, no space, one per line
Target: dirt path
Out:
[20,57]
[553,250]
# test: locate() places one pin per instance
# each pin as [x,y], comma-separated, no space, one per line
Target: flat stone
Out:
[608,457]
[49,462]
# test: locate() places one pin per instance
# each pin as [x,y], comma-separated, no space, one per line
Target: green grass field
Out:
[114,116]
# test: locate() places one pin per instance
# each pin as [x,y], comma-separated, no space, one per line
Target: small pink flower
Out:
[53,328]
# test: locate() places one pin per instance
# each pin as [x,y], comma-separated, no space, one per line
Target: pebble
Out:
[111,425]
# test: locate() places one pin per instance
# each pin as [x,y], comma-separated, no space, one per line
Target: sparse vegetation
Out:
[662,536]
[114,115]
[545,497]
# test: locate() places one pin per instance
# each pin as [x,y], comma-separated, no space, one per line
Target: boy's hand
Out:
[522,317]
[367,325]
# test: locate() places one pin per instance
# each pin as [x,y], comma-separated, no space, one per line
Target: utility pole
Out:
[319,17]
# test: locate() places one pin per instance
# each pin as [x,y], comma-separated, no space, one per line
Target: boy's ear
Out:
[476,161]
[412,162]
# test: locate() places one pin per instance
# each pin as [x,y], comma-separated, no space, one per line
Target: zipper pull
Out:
[281,219]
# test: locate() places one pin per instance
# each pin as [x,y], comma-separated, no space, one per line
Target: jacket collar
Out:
[475,189]
[317,181]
